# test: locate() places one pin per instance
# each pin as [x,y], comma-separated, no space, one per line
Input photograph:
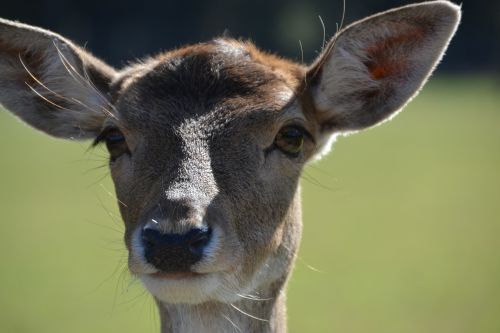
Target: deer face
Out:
[207,143]
[202,137]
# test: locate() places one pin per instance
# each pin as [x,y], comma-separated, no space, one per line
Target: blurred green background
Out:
[402,226]
[402,222]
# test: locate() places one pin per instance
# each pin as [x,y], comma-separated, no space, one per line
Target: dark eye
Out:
[115,142]
[290,140]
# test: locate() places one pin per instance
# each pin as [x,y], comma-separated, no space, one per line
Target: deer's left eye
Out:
[290,140]
[115,142]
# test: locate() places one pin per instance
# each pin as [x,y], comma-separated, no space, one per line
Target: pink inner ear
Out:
[389,57]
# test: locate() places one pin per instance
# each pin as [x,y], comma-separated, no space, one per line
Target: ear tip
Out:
[453,9]
[444,13]
[449,4]
[453,14]
[445,8]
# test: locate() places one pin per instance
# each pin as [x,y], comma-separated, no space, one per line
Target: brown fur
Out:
[200,125]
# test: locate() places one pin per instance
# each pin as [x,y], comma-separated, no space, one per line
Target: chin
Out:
[189,288]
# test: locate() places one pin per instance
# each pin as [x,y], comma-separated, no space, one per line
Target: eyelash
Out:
[116,146]
[290,145]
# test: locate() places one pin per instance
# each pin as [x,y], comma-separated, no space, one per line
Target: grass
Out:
[402,226]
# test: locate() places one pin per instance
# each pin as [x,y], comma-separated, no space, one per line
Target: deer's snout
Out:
[175,252]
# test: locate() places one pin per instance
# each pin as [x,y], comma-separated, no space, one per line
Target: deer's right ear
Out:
[371,69]
[52,84]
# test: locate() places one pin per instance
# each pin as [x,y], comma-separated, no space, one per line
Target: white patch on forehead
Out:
[231,48]
[284,95]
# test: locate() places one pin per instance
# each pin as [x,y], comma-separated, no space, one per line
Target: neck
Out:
[265,315]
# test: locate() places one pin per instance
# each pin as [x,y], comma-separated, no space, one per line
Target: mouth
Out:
[182,287]
[176,275]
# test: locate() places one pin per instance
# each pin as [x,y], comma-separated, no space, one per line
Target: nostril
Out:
[199,240]
[150,237]
[147,242]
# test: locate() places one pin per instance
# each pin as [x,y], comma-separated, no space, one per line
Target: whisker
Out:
[119,283]
[91,109]
[303,261]
[72,100]
[312,268]
[322,171]
[133,300]
[37,80]
[324,32]
[91,84]
[115,219]
[316,182]
[301,52]
[107,227]
[331,46]
[253,298]
[46,99]
[99,180]
[113,196]
[247,314]
[343,14]
[231,322]
[90,160]
[110,276]
[97,168]
[82,81]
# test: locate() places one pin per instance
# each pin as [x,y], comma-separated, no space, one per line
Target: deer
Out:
[207,144]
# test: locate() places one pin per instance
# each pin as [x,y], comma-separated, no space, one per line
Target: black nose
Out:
[175,252]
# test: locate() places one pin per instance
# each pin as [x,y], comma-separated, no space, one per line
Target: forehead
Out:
[223,78]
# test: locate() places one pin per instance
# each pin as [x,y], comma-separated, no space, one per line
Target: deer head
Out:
[207,144]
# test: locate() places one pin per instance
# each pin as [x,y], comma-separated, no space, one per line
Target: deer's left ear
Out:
[371,69]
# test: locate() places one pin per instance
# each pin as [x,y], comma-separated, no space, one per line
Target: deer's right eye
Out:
[115,142]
